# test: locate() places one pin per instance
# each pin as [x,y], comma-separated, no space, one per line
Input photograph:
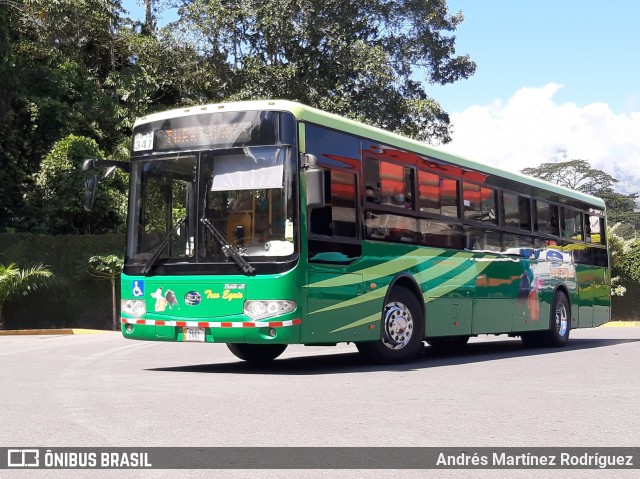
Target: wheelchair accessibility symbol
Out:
[138,289]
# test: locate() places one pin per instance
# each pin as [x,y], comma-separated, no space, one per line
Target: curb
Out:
[621,324]
[33,332]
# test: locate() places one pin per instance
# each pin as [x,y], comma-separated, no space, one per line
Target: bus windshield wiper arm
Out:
[227,248]
[156,255]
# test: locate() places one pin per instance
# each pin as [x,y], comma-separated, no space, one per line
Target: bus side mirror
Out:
[90,192]
[315,188]
[314,182]
[91,184]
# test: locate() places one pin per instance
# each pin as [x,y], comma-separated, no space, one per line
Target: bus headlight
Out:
[133,307]
[258,310]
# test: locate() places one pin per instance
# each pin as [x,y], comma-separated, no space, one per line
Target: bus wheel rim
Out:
[562,321]
[398,326]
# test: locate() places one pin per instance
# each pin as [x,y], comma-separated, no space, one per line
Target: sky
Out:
[555,79]
[552,75]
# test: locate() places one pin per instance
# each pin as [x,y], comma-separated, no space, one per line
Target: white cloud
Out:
[531,127]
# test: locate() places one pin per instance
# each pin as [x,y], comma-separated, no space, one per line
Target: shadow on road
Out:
[474,352]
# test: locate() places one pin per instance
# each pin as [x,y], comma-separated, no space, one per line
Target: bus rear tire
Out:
[559,323]
[257,352]
[559,326]
[402,330]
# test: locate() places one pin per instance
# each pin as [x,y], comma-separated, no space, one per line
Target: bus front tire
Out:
[257,352]
[402,330]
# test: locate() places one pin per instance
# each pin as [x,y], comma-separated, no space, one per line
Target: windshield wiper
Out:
[227,248]
[156,255]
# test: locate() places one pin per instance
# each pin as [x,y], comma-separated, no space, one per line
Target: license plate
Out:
[193,335]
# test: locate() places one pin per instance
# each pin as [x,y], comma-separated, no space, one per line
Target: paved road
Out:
[102,390]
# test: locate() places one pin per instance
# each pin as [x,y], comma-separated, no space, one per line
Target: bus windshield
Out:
[213,207]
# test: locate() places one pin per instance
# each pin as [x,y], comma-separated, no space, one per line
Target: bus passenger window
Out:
[517,244]
[394,228]
[338,217]
[333,228]
[440,234]
[343,202]
[515,211]
[437,195]
[594,229]
[510,214]
[396,184]
[572,224]
[449,197]
[483,240]
[479,203]
[546,218]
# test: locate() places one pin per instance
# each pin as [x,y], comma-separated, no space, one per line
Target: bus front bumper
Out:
[281,330]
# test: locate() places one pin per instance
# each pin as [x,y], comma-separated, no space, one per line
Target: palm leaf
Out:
[15,282]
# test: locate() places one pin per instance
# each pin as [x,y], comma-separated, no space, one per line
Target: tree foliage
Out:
[580,176]
[625,260]
[83,68]
[14,114]
[359,59]
[57,199]
[629,262]
[574,174]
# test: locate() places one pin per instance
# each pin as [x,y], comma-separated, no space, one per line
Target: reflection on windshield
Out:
[248,194]
[229,250]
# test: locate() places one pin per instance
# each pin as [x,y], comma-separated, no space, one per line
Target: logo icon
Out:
[553,255]
[192,298]
[138,289]
[23,458]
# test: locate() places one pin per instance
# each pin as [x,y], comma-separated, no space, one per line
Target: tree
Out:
[625,272]
[574,174]
[579,175]
[618,248]
[621,211]
[82,68]
[67,49]
[359,59]
[15,166]
[162,73]
[107,267]
[149,20]
[54,58]
[57,200]
[629,263]
[16,282]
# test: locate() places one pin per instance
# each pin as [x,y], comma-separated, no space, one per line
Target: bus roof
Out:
[314,115]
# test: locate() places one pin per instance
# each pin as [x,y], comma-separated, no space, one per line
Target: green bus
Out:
[266,223]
